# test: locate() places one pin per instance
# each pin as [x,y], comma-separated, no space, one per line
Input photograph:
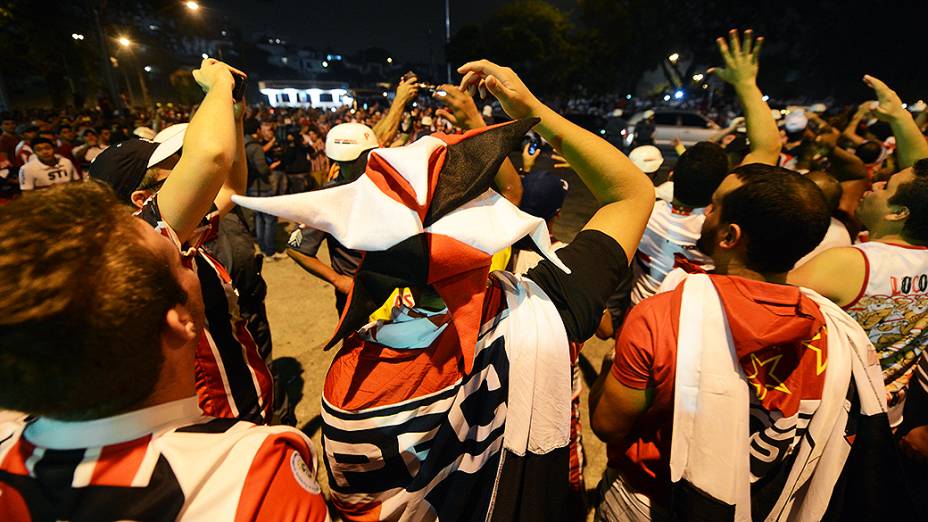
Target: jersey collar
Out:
[62,435]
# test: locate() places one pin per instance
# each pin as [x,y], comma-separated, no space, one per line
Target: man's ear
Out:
[731,236]
[139,197]
[179,326]
[901,214]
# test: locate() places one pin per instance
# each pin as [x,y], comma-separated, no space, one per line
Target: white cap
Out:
[170,141]
[918,106]
[795,121]
[347,141]
[648,158]
[647,114]
[144,132]
[818,107]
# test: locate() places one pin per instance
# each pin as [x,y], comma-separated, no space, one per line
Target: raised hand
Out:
[528,158]
[407,89]
[461,110]
[213,72]
[504,84]
[560,162]
[741,58]
[888,106]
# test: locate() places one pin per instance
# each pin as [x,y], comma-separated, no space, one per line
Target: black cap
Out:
[122,166]
[543,194]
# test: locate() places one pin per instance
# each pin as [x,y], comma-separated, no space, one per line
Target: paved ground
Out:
[301,311]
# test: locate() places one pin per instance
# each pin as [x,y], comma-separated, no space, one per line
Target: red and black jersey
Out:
[232,376]
[166,462]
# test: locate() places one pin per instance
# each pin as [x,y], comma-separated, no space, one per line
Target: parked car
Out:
[689,127]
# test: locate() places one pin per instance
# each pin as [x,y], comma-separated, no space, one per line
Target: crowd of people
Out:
[767,302]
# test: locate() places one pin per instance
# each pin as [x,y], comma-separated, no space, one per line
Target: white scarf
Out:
[709,447]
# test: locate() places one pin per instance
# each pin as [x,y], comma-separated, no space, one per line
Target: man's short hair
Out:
[251,126]
[783,216]
[38,141]
[830,187]
[82,305]
[914,196]
[869,151]
[698,172]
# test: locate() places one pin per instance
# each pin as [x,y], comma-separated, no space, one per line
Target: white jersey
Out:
[836,236]
[892,307]
[669,232]
[36,174]
[165,462]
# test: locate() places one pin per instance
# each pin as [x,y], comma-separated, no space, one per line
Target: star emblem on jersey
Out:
[820,362]
[422,213]
[764,376]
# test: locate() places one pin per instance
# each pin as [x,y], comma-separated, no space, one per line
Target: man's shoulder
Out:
[64,162]
[242,438]
[657,308]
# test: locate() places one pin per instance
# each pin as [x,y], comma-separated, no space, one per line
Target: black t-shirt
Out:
[597,263]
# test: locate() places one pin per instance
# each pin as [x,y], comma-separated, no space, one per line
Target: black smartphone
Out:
[238,89]
[533,146]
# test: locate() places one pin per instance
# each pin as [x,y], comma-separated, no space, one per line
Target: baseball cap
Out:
[347,141]
[648,158]
[543,194]
[123,166]
[795,121]
[169,140]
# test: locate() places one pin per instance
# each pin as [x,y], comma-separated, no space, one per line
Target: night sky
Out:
[401,27]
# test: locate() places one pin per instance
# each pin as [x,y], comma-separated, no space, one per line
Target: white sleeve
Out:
[25,182]
[72,171]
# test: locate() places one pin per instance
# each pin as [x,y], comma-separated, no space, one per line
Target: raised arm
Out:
[386,128]
[209,149]
[910,144]
[612,178]
[850,132]
[740,70]
[462,112]
[237,180]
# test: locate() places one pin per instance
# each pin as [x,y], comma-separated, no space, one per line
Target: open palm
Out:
[740,57]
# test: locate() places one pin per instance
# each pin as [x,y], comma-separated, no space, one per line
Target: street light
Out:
[193,6]
[148,68]
[698,77]
[77,36]
[325,63]
[125,42]
[389,59]
[674,57]
[204,56]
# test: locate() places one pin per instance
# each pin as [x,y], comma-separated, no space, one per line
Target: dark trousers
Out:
[265,224]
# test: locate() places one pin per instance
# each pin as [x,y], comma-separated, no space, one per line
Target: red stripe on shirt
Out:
[118,464]
[15,461]
[278,486]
